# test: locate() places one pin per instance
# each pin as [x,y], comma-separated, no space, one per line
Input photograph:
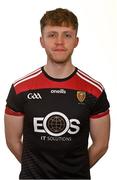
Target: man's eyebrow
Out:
[67,32]
[57,32]
[51,31]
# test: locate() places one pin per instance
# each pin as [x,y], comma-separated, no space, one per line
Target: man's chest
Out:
[59,116]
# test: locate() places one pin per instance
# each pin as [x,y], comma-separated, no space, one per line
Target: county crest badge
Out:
[81,95]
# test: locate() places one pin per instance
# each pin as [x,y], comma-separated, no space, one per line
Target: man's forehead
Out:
[50,28]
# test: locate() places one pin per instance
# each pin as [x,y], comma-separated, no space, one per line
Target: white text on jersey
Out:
[58,91]
[34,96]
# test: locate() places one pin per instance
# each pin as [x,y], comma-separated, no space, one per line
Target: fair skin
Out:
[59,43]
[13,133]
[99,132]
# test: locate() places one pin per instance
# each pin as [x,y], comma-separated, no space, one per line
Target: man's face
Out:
[59,42]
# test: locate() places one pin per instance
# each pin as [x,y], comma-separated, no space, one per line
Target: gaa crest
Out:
[81,95]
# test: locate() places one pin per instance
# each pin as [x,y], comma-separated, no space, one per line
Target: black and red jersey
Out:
[57,116]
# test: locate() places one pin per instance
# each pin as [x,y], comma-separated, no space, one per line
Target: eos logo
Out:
[56,124]
[34,96]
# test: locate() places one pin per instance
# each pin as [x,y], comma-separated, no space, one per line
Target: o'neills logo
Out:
[58,91]
[81,95]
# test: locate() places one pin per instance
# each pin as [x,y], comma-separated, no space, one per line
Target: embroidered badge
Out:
[81,95]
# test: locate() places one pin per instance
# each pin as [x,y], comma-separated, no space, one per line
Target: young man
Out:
[51,111]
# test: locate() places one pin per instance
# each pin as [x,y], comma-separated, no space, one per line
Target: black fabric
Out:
[101,105]
[15,101]
[56,131]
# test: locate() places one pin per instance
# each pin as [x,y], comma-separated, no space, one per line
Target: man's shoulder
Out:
[89,83]
[25,81]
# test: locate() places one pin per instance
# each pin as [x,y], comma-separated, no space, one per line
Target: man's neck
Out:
[59,70]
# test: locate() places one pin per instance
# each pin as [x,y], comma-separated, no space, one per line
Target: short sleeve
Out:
[14,103]
[101,106]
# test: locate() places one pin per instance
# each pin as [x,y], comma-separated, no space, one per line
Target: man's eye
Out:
[68,35]
[51,35]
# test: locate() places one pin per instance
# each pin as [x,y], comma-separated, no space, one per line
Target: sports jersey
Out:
[57,115]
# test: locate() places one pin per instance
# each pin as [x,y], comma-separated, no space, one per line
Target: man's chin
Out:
[60,61]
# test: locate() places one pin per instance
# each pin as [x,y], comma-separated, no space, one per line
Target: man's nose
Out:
[59,40]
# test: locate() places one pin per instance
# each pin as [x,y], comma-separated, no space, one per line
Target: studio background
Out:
[96,54]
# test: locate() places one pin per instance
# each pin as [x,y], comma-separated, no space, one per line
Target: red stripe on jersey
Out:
[9,111]
[27,76]
[87,77]
[39,80]
[99,115]
[42,82]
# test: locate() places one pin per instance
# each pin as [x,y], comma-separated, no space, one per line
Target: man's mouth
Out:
[59,49]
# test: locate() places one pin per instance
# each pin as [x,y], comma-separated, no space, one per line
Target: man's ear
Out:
[77,41]
[42,42]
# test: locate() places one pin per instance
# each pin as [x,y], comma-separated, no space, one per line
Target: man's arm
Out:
[13,133]
[99,131]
